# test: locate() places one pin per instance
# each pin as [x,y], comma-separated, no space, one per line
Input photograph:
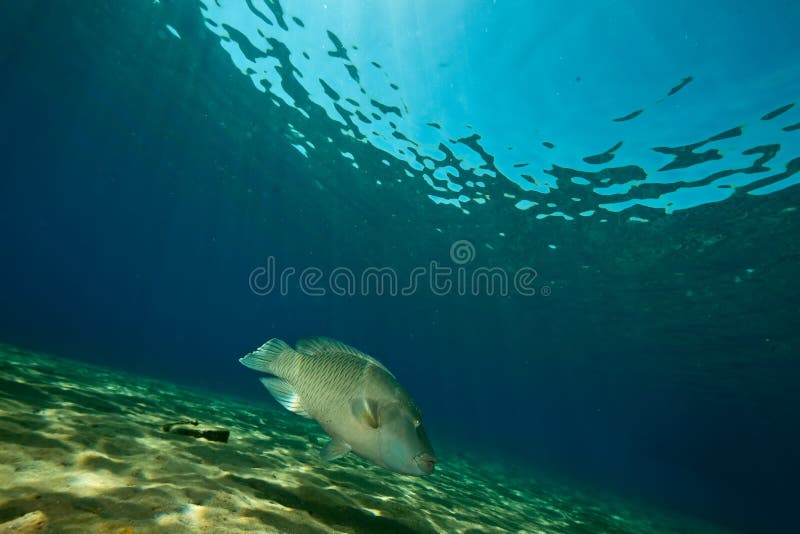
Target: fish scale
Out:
[329,379]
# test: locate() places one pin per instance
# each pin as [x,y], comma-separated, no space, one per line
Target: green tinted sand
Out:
[84,446]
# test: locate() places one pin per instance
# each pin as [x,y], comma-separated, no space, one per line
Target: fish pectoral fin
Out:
[366,410]
[335,448]
[285,394]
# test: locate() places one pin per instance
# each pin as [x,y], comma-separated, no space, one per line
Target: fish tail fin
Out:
[263,358]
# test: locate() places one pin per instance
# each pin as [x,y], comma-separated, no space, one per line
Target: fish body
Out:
[355,399]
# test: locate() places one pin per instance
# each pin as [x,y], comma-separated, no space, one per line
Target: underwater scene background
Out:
[570,229]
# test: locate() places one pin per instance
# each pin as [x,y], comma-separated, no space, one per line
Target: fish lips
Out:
[425,462]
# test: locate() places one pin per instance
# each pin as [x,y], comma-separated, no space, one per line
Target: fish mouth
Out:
[426,462]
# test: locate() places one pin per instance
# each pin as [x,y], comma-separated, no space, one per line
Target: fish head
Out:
[404,445]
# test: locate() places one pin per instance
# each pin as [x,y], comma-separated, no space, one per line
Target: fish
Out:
[356,400]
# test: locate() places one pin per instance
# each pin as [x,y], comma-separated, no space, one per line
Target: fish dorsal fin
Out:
[366,411]
[285,394]
[318,345]
[334,449]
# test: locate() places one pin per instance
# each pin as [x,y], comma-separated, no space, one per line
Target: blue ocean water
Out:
[569,228]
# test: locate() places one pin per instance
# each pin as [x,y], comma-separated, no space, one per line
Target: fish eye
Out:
[416,422]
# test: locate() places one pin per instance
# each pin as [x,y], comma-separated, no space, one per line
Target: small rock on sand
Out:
[30,522]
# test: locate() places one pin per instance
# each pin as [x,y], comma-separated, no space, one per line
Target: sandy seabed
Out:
[82,450]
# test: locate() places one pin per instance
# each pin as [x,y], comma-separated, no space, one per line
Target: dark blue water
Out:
[142,185]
